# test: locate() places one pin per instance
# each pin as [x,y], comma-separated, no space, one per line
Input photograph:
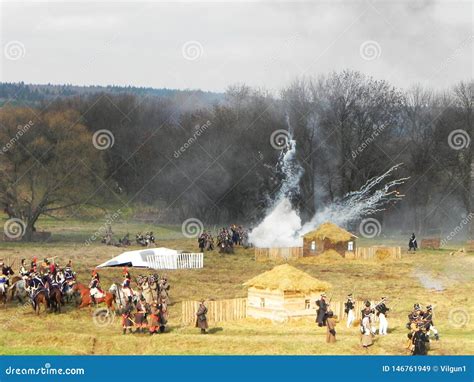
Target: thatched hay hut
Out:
[284,291]
[328,236]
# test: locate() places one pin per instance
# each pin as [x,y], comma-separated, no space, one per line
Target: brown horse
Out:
[39,299]
[86,299]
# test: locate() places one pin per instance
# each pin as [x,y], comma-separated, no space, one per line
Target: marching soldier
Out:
[140,316]
[126,312]
[382,310]
[321,313]
[366,331]
[428,319]
[419,339]
[201,319]
[412,244]
[349,310]
[154,318]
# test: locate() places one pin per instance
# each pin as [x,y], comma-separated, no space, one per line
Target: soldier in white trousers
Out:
[382,310]
[349,306]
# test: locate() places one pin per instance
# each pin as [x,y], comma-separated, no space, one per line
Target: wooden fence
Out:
[278,253]
[218,311]
[236,308]
[370,253]
[176,261]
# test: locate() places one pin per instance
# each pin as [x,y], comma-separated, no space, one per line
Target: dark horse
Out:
[38,294]
[55,295]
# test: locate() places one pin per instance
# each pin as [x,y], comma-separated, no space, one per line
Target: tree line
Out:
[216,161]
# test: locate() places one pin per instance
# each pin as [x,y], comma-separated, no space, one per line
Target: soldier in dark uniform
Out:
[126,313]
[412,244]
[428,319]
[382,310]
[419,339]
[349,310]
[323,308]
[201,319]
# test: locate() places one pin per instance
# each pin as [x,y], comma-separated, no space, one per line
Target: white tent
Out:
[138,258]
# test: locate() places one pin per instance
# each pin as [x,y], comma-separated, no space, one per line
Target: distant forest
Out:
[211,156]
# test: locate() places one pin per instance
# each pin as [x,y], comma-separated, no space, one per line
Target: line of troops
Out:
[226,239]
[420,323]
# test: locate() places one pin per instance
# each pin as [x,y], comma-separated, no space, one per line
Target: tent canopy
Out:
[137,258]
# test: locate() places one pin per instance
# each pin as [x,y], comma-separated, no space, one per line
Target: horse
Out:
[120,295]
[55,295]
[86,299]
[38,298]
[18,291]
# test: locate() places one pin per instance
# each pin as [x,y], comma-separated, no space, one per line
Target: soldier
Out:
[321,313]
[412,244]
[164,288]
[382,310]
[94,286]
[366,331]
[140,316]
[34,266]
[127,279]
[154,318]
[428,319]
[201,319]
[419,339]
[23,271]
[162,314]
[331,328]
[126,312]
[349,310]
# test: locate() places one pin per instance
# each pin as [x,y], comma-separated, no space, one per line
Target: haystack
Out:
[283,290]
[328,236]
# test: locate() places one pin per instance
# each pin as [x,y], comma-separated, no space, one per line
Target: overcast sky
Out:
[212,45]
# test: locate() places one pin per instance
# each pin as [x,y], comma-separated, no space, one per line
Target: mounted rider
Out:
[127,279]
[96,291]
[23,272]
[4,279]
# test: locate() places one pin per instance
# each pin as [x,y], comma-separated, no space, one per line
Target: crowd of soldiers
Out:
[420,322]
[145,240]
[227,239]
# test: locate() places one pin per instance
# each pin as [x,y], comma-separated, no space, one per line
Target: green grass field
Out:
[74,331]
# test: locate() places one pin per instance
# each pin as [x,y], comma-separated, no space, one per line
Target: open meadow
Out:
[404,281]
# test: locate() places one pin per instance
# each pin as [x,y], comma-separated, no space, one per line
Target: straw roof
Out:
[331,232]
[287,278]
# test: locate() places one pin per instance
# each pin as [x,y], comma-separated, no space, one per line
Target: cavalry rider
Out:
[3,274]
[34,266]
[94,286]
[127,279]
[24,273]
[68,272]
